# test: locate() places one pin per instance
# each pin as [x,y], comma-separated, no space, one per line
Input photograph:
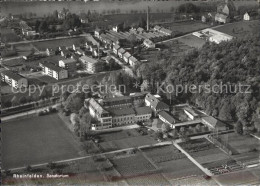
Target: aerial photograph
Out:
[130,92]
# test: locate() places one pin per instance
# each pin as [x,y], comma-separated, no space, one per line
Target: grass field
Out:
[192,41]
[241,143]
[240,29]
[43,45]
[36,140]
[186,27]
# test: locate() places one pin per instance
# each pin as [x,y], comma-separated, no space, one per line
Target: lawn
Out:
[36,140]
[240,29]
[186,27]
[68,42]
[192,41]
[241,143]
[123,139]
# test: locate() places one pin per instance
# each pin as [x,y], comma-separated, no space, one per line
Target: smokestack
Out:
[147,21]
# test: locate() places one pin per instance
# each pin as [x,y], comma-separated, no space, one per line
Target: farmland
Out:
[43,45]
[192,41]
[23,138]
[123,139]
[240,29]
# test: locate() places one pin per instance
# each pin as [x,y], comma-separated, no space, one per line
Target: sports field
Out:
[36,140]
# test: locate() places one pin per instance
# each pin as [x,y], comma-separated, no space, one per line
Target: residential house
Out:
[122,116]
[157,28]
[190,113]
[140,30]
[213,123]
[93,47]
[104,118]
[250,15]
[155,103]
[167,118]
[143,114]
[109,59]
[166,31]
[13,79]
[54,71]
[221,18]
[68,64]
[116,48]
[88,44]
[126,57]
[133,61]
[65,53]
[120,52]
[98,52]
[148,43]
[98,32]
[50,52]
[91,65]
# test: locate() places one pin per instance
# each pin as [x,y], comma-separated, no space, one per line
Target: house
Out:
[91,65]
[98,32]
[109,59]
[65,53]
[68,64]
[116,102]
[126,57]
[122,116]
[148,43]
[98,53]
[13,79]
[115,28]
[104,118]
[54,71]
[140,30]
[213,123]
[120,52]
[88,44]
[165,31]
[155,103]
[250,15]
[93,47]
[142,114]
[190,113]
[116,48]
[133,61]
[221,18]
[167,118]
[80,52]
[157,28]
[50,52]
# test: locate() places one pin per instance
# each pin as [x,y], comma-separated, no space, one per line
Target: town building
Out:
[126,57]
[221,18]
[109,59]
[98,32]
[133,61]
[103,117]
[167,118]
[191,113]
[54,71]
[13,79]
[143,114]
[65,53]
[117,102]
[68,64]
[148,43]
[155,103]
[214,124]
[138,98]
[122,116]
[116,48]
[91,65]
[120,52]
[157,28]
[165,31]
[50,52]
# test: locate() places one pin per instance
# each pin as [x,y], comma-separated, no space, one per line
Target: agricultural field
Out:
[241,143]
[186,27]
[68,42]
[240,29]
[24,49]
[25,137]
[192,41]
[123,139]
[174,164]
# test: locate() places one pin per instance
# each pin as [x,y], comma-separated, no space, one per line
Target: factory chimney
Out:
[147,21]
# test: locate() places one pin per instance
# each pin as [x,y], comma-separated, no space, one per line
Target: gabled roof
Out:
[67,61]
[191,111]
[157,27]
[167,117]
[88,59]
[122,112]
[109,59]
[121,50]
[127,54]
[222,16]
[155,102]
[166,30]
[148,41]
[213,121]
[97,106]
[12,75]
[116,47]
[133,59]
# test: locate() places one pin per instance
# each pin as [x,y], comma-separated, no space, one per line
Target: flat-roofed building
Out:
[54,71]
[91,65]
[13,79]
[122,116]
[142,114]
[122,101]
[104,118]
[68,64]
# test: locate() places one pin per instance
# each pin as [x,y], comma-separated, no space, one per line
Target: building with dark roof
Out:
[121,52]
[213,123]
[122,116]
[143,114]
[155,103]
[122,101]
[13,79]
[54,71]
[167,118]
[126,57]
[191,113]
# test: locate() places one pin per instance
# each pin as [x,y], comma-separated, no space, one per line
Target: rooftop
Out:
[12,75]
[143,110]
[127,54]
[88,59]
[167,117]
[70,60]
[121,50]
[52,66]
[122,112]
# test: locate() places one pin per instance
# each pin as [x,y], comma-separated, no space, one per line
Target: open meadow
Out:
[36,140]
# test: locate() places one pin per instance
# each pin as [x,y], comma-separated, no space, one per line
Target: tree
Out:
[75,102]
[239,127]
[158,135]
[82,111]
[85,124]
[74,119]
[165,127]
[43,27]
